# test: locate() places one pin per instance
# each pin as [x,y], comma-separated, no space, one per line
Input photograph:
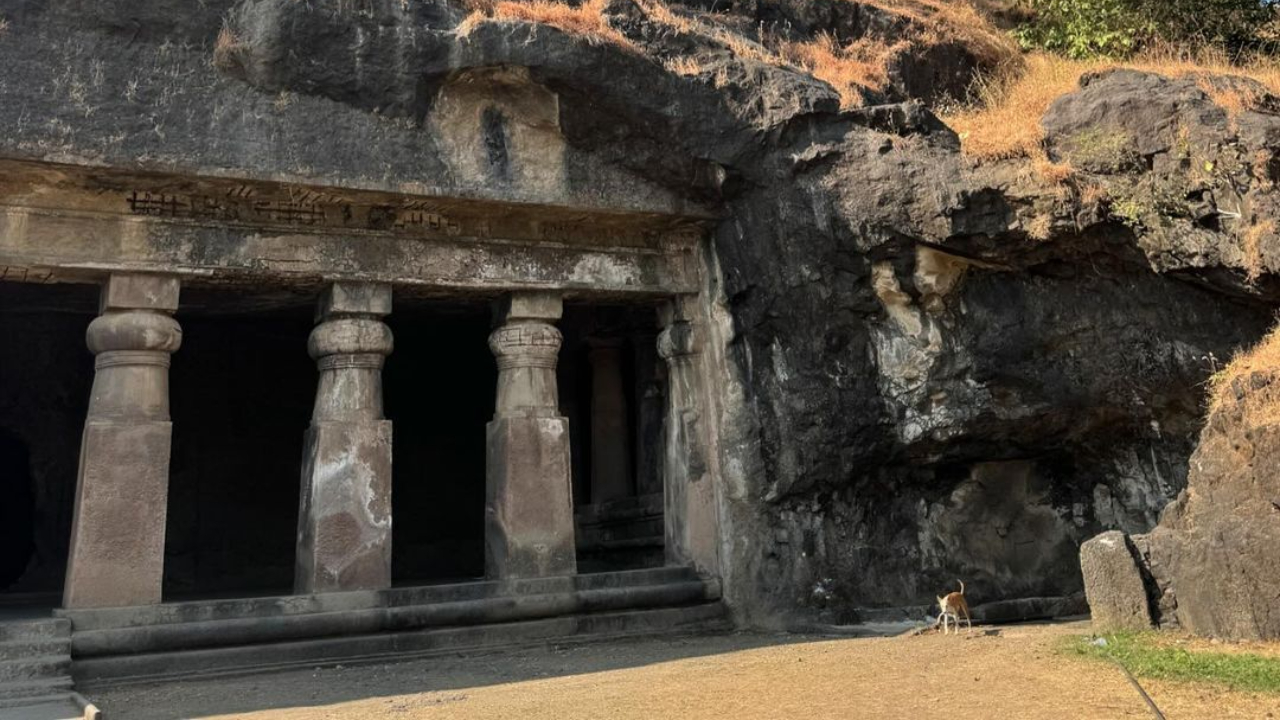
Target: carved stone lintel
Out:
[117,541]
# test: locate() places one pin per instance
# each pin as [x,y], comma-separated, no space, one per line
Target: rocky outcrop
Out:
[1212,563]
[939,370]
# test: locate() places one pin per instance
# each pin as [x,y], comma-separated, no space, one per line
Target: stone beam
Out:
[37,241]
[344,522]
[117,539]
[529,495]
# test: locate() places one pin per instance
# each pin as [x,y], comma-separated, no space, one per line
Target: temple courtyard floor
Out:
[1010,672]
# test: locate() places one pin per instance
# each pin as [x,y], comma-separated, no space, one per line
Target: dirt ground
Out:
[1014,674]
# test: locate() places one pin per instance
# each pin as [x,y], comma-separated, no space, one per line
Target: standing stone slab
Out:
[117,537]
[529,493]
[1113,584]
[344,518]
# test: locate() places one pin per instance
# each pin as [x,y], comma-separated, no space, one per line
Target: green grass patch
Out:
[1144,656]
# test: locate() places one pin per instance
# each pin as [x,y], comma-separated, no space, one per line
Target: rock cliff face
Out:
[1210,566]
[946,370]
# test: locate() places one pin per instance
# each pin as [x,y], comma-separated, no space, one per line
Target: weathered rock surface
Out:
[946,371]
[1113,583]
[1213,557]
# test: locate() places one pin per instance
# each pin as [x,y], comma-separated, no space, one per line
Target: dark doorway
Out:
[615,532]
[241,391]
[45,376]
[439,388]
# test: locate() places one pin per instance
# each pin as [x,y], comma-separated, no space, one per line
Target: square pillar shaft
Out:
[529,492]
[122,488]
[344,518]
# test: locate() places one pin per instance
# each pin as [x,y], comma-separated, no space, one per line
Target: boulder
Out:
[1113,584]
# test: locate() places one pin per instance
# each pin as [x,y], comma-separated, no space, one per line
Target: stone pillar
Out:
[529,495]
[689,512]
[610,441]
[651,413]
[344,522]
[122,491]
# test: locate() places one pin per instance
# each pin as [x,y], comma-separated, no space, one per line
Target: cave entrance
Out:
[613,389]
[44,394]
[241,393]
[438,388]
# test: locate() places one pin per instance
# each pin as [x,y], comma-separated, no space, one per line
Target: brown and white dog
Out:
[952,606]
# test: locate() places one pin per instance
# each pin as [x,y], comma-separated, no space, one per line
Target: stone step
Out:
[281,628]
[44,629]
[14,690]
[18,649]
[346,602]
[35,668]
[390,646]
[45,707]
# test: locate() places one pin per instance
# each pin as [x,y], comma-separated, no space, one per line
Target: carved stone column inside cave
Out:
[344,522]
[689,511]
[610,434]
[117,538]
[529,501]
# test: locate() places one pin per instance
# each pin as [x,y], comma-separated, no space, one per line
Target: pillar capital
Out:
[140,291]
[526,347]
[677,340]
[349,298]
[546,306]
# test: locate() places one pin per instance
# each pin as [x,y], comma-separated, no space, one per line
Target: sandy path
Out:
[1013,675]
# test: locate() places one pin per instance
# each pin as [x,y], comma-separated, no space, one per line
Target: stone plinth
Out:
[344,520]
[610,437]
[529,503]
[117,539]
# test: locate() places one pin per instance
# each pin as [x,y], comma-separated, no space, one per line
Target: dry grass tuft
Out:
[1004,121]
[851,69]
[586,20]
[1004,118]
[1040,228]
[682,66]
[955,21]
[226,49]
[1094,194]
[1261,406]
[1251,245]
[1052,172]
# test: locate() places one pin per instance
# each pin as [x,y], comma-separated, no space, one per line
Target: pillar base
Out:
[122,493]
[344,524]
[529,506]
